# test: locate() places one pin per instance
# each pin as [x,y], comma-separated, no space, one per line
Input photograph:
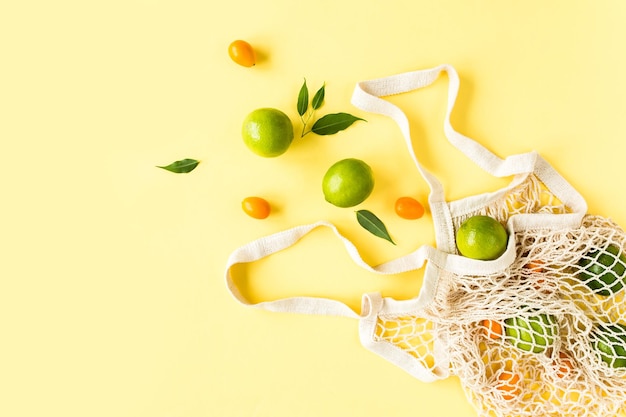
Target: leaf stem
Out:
[305,122]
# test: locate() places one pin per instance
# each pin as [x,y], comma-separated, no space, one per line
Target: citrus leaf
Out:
[318,98]
[303,99]
[373,224]
[333,123]
[181,167]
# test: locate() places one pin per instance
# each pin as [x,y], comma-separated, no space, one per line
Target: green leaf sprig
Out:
[326,125]
[370,222]
[181,167]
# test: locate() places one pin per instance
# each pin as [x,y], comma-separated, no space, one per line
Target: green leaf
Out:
[373,224]
[181,167]
[303,99]
[333,123]
[318,98]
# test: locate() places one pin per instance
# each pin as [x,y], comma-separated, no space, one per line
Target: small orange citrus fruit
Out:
[565,364]
[492,328]
[536,265]
[242,53]
[409,208]
[509,385]
[256,207]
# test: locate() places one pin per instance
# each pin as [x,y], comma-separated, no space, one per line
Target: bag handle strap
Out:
[368,95]
[268,245]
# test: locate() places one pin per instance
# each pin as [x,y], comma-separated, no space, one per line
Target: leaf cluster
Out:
[326,125]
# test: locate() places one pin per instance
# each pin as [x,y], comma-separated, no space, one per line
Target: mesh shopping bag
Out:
[539,331]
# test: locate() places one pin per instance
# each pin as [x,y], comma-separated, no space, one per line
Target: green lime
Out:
[609,341]
[603,270]
[267,132]
[532,334]
[348,182]
[481,237]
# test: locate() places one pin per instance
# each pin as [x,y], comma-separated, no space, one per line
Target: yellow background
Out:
[112,297]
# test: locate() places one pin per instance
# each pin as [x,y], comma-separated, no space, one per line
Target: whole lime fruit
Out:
[481,237]
[348,182]
[268,132]
[603,270]
[532,334]
[609,341]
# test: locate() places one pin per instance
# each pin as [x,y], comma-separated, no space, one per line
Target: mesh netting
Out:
[544,337]
[530,196]
[413,334]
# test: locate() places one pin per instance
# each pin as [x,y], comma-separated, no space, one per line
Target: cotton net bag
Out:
[539,331]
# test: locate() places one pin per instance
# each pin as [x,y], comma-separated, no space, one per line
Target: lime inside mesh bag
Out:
[539,331]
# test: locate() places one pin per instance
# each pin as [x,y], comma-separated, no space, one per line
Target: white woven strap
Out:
[268,245]
[373,304]
[368,95]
